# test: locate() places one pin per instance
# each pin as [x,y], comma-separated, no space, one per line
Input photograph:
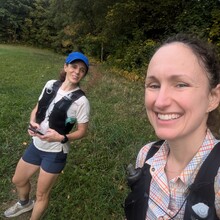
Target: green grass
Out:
[93,184]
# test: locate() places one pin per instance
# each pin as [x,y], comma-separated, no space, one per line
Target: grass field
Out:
[93,184]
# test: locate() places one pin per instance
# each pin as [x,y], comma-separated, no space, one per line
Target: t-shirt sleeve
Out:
[80,110]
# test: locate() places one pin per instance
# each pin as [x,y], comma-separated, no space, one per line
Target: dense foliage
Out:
[123,32]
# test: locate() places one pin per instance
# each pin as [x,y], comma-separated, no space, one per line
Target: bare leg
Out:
[21,178]
[44,186]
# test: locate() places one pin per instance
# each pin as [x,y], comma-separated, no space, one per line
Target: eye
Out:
[74,66]
[83,70]
[182,85]
[152,85]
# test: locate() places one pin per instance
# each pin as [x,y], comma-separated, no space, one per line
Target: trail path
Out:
[96,75]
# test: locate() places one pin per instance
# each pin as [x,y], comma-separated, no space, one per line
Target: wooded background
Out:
[122,32]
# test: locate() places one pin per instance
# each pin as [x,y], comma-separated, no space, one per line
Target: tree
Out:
[214,31]
[13,14]
[196,17]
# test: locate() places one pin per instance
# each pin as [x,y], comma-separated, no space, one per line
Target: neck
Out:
[181,153]
[66,86]
[184,149]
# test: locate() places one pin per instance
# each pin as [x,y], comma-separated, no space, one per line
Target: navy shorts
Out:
[51,162]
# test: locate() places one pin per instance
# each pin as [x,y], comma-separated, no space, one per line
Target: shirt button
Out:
[152,169]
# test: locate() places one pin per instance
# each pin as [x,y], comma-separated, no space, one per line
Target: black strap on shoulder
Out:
[209,168]
[136,202]
[154,148]
[74,95]
[43,104]
[69,99]
[77,94]
[56,85]
[202,190]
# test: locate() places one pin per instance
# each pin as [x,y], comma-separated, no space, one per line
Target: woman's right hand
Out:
[35,126]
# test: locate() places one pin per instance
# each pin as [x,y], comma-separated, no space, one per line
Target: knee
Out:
[40,196]
[15,180]
[19,181]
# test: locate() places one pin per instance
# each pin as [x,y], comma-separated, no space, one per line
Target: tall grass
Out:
[93,184]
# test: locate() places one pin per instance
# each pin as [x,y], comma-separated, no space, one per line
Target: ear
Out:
[65,66]
[214,98]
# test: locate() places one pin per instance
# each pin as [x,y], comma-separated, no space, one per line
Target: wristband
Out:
[65,139]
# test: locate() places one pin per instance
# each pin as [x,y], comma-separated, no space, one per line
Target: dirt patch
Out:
[94,78]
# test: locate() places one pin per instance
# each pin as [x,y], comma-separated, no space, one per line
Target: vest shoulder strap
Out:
[154,148]
[56,85]
[210,166]
[202,190]
[136,202]
[43,104]
[77,94]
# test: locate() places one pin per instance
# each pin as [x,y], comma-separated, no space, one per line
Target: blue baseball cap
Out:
[77,56]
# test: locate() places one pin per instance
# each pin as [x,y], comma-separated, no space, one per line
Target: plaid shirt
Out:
[170,195]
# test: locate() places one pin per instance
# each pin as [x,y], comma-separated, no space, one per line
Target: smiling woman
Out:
[182,87]
[61,105]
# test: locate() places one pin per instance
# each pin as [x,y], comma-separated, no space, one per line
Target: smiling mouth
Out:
[75,77]
[167,117]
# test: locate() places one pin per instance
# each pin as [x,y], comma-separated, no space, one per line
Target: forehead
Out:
[78,62]
[175,57]
[174,53]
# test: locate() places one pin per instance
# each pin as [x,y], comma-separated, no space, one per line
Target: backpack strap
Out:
[77,94]
[154,148]
[202,190]
[56,85]
[136,202]
[43,104]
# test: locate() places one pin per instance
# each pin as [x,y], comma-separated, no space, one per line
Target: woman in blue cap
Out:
[61,105]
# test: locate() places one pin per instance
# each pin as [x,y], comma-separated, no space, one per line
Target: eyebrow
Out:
[74,64]
[150,77]
[172,77]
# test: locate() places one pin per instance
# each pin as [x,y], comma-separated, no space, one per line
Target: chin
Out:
[165,135]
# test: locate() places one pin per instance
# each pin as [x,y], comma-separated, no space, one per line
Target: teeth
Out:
[168,116]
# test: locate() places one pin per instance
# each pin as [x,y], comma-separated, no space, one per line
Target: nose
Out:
[163,98]
[77,70]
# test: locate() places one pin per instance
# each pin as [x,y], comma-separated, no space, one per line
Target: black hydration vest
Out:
[201,191]
[58,116]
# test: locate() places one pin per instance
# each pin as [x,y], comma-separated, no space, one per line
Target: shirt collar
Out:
[158,161]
